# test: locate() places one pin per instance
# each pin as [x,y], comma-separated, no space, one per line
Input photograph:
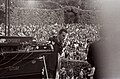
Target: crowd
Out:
[79,36]
[77,32]
[25,22]
[78,39]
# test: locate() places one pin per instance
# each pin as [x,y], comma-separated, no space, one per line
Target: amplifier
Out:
[26,68]
[19,56]
[22,63]
[13,43]
[15,39]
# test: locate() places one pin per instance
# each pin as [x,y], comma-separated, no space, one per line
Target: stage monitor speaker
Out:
[27,67]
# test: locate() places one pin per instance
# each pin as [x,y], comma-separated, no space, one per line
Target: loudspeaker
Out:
[24,68]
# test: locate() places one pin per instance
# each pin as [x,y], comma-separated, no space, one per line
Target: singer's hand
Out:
[52,47]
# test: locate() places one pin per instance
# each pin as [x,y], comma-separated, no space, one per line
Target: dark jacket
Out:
[52,59]
[97,58]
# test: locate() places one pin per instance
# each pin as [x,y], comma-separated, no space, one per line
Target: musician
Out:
[97,55]
[52,59]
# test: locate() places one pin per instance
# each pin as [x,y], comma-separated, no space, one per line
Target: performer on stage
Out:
[97,55]
[52,59]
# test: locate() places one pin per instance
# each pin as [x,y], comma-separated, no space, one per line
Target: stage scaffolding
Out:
[7,17]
